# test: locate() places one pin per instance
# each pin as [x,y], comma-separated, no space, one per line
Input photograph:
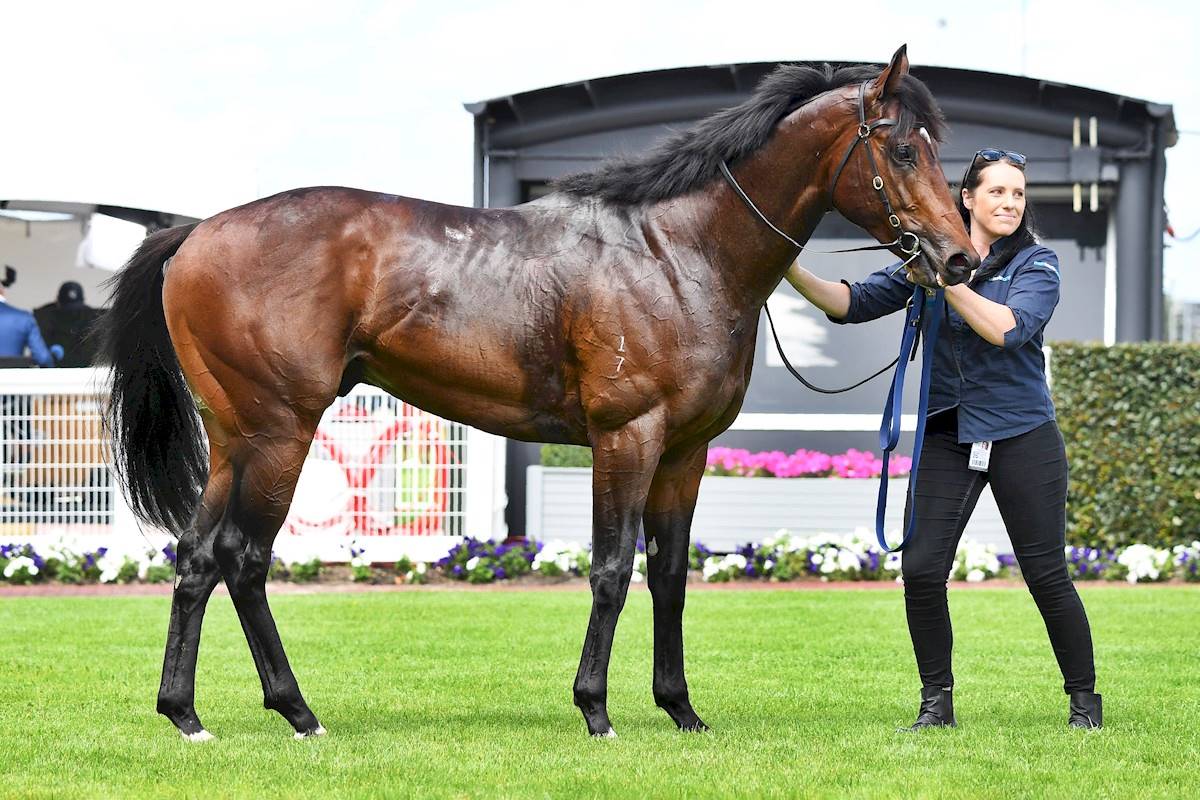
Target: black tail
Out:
[158,442]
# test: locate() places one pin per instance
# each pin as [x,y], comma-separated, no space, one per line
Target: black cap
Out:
[70,294]
[10,276]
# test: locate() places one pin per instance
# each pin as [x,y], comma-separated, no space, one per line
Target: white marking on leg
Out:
[318,731]
[652,547]
[199,736]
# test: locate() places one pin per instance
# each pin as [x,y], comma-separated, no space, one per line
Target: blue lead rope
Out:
[925,315]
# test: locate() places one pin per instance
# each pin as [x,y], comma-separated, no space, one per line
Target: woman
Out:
[990,400]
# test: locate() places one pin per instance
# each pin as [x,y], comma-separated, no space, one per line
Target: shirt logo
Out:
[1000,278]
[1047,265]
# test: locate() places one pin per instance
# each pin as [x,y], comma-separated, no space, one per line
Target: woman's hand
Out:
[832,298]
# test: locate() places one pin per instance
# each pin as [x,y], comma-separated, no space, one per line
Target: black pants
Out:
[1028,475]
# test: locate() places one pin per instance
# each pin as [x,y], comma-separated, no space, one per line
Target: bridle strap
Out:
[898,242]
[801,378]
[865,129]
[908,242]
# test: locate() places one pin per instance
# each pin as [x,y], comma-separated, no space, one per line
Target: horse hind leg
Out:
[196,576]
[265,479]
[668,523]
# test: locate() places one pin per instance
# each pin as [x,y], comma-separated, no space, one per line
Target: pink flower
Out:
[802,464]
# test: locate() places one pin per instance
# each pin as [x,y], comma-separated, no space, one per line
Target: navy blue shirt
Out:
[999,392]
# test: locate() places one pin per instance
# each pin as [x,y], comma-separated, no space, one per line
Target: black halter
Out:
[865,129]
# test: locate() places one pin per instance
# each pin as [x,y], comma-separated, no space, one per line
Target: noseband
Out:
[865,129]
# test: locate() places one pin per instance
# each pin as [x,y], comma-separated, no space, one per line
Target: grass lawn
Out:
[455,693]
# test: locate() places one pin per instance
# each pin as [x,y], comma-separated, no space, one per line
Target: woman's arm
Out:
[832,298]
[991,320]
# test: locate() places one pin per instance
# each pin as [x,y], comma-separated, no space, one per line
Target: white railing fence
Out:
[390,478]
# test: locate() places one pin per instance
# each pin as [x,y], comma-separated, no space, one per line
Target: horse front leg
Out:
[624,461]
[668,523]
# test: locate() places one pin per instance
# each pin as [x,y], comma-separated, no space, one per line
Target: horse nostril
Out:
[958,264]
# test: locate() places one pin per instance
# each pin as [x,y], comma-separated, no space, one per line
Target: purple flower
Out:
[457,571]
[499,573]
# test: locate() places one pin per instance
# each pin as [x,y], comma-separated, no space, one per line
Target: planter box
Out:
[734,511]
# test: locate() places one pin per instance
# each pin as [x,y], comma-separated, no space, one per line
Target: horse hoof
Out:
[608,734]
[199,736]
[317,731]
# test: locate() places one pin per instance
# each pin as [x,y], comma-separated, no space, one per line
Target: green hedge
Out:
[566,455]
[1130,415]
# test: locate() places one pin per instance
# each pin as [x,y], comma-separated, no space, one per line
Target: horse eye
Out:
[904,153]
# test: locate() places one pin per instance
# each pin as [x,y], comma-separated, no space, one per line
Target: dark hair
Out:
[1004,248]
[690,159]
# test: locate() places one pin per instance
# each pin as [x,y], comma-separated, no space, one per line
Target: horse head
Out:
[890,182]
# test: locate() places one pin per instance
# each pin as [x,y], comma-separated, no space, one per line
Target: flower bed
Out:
[727,461]
[782,557]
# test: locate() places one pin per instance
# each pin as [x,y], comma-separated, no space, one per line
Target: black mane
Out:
[687,160]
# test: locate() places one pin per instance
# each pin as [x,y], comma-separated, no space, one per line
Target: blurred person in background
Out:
[66,323]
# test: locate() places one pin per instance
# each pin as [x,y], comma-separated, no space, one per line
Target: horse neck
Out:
[788,180]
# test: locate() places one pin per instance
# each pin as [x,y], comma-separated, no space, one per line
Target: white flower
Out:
[474,562]
[975,576]
[110,566]
[1144,562]
[20,562]
[421,567]
[359,561]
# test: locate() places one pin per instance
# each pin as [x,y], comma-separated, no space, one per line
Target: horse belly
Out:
[479,379]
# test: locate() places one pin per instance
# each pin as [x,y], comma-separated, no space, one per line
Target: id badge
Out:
[981,453]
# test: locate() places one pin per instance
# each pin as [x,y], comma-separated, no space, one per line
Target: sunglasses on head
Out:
[992,155]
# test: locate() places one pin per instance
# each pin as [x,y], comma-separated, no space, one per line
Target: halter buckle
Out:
[893,220]
[878,183]
[864,130]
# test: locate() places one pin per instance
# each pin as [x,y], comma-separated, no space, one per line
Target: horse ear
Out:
[888,81]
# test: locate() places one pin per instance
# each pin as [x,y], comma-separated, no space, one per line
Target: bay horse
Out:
[620,312]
